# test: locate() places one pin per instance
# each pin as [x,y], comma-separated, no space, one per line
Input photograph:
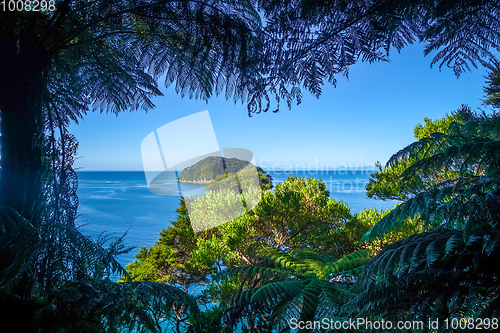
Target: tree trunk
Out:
[21,163]
[21,128]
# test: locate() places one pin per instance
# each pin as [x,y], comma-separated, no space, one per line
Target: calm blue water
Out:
[117,202]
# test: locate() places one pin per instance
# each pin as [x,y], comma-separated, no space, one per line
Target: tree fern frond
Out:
[427,271]
[274,291]
[348,262]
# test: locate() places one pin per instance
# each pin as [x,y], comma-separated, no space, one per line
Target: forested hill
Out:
[209,168]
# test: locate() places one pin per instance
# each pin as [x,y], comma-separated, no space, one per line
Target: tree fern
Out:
[300,284]
[313,42]
[448,271]
[92,56]
[71,288]
[438,274]
[468,197]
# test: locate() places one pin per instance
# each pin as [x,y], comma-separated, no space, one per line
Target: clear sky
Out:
[364,119]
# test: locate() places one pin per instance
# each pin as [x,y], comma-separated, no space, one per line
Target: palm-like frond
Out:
[311,42]
[348,265]
[449,271]
[103,305]
[430,275]
[52,269]
[111,58]
[294,285]
[469,197]
[69,275]
[465,35]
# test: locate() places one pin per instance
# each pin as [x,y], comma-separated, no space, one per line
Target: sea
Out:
[117,203]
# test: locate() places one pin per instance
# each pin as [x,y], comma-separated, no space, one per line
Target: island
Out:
[215,168]
[206,170]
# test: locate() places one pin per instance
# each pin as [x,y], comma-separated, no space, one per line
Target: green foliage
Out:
[211,167]
[57,65]
[492,90]
[209,321]
[70,285]
[297,241]
[301,284]
[448,272]
[298,212]
[170,259]
[229,196]
[245,179]
[387,182]
[295,255]
[438,274]
[215,208]
[107,56]
[440,125]
[470,153]
[368,218]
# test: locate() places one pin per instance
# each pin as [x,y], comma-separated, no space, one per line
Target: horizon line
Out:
[271,170]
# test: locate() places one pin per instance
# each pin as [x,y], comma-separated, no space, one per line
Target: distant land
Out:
[206,170]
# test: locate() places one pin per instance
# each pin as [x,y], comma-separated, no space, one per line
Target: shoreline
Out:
[194,181]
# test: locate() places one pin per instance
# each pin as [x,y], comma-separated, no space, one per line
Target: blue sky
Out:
[364,119]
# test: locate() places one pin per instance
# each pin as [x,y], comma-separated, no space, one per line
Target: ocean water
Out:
[120,202]
[344,184]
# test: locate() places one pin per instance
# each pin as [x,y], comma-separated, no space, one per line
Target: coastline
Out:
[194,181]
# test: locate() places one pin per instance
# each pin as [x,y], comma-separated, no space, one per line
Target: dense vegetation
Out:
[448,271]
[296,231]
[300,255]
[80,56]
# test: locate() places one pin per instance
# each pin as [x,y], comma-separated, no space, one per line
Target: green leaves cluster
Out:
[296,253]
[108,55]
[69,276]
[243,179]
[438,274]
[298,212]
[386,183]
[462,199]
[451,181]
[492,90]
[301,284]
